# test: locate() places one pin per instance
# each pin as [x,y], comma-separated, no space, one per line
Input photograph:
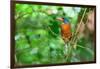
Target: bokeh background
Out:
[38,38]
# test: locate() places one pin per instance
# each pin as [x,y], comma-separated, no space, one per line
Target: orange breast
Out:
[66,31]
[66,27]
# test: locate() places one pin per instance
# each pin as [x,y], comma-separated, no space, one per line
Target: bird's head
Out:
[64,20]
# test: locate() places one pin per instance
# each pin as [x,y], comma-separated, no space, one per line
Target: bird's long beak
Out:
[60,19]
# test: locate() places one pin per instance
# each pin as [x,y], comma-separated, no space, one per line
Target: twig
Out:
[79,26]
[52,31]
[68,57]
[88,49]
[75,36]
[20,16]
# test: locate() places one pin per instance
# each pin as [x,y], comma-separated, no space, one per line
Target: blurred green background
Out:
[38,39]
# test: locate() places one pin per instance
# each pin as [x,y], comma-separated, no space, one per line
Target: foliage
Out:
[38,39]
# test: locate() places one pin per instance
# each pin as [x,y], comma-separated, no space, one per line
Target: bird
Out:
[65,29]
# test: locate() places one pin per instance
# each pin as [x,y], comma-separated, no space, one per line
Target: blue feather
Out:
[66,20]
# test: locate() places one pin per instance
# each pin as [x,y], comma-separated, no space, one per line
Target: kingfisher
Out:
[65,29]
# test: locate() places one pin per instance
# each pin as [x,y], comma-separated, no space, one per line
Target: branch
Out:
[77,30]
[31,13]
[86,48]
[68,57]
[51,31]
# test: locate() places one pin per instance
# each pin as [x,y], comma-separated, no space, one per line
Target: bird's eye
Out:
[62,18]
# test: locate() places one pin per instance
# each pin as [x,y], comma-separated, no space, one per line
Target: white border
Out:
[5,34]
